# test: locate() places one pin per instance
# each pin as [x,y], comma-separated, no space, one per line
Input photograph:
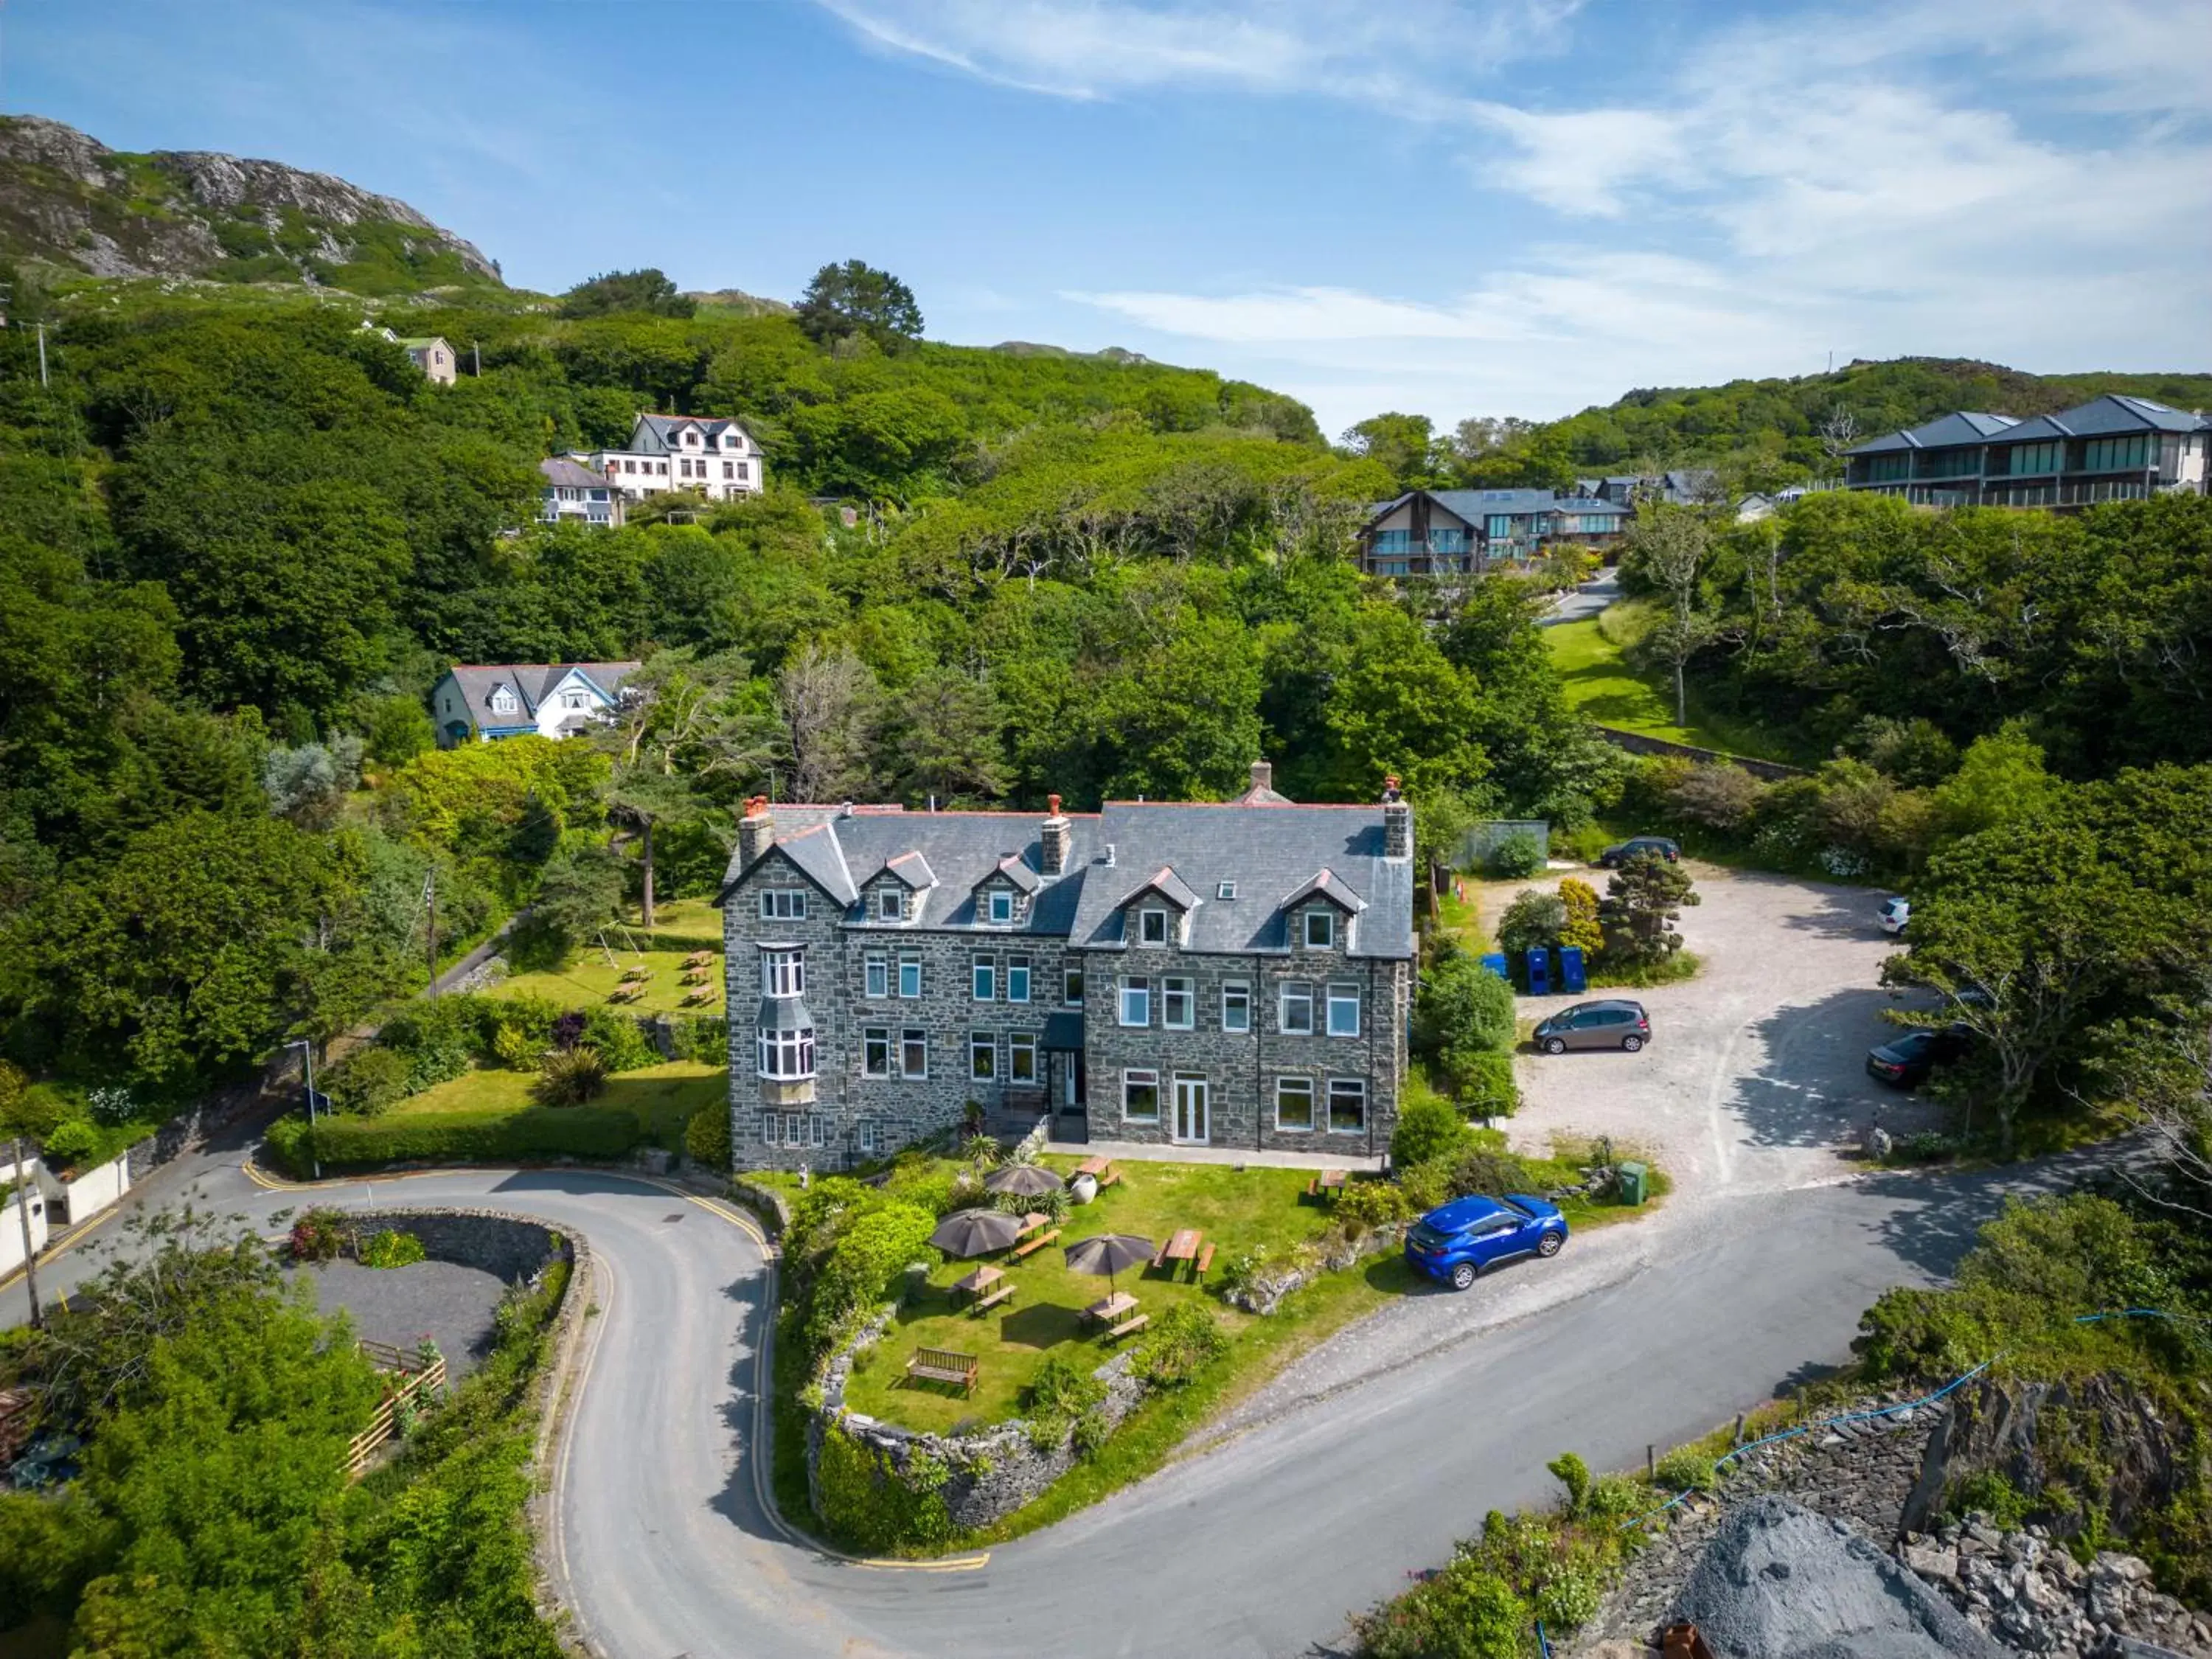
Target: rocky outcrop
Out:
[67,198]
[2033,1595]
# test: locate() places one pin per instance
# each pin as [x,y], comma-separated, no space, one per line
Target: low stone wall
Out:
[1636,742]
[511,1248]
[1266,1292]
[765,1202]
[993,1473]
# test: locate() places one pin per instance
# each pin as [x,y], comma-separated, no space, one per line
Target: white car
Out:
[1895,913]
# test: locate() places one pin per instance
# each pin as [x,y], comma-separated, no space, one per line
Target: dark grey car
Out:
[1614,1022]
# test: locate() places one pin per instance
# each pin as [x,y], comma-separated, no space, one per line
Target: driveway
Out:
[1581,604]
[1755,1080]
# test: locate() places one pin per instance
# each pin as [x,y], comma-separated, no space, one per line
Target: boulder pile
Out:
[2038,1599]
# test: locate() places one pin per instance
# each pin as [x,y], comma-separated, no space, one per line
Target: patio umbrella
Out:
[1107,1254]
[1031,1180]
[974,1232]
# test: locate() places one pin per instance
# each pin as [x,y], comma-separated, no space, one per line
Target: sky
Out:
[1446,206]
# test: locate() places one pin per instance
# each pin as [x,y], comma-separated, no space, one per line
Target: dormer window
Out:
[783,972]
[502,700]
[1001,909]
[891,905]
[1151,927]
[1321,930]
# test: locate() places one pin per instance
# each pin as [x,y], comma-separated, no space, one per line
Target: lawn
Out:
[594,972]
[663,1097]
[1600,685]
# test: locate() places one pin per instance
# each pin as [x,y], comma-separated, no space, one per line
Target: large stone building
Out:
[1234,974]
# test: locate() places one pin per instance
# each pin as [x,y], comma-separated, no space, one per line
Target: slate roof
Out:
[1475,505]
[2100,416]
[1944,432]
[667,429]
[1271,853]
[574,474]
[531,683]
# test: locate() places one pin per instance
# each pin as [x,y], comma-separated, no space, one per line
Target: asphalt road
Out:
[1581,604]
[1259,1546]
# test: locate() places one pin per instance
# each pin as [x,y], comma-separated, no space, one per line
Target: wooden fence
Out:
[413,1377]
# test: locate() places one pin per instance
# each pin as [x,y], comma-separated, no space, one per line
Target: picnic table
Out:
[1328,1181]
[1100,1169]
[1184,1246]
[1032,1222]
[978,1281]
[1112,1308]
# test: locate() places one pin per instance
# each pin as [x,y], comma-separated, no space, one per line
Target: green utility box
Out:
[1633,1179]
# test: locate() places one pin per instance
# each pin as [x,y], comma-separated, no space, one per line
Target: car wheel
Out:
[1549,1244]
[1631,1044]
[1463,1276]
[1555,1045]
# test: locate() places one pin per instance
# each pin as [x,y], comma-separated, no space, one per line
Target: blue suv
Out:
[1459,1241]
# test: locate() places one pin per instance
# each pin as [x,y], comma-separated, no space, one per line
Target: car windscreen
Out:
[1428,1237]
[1524,1214]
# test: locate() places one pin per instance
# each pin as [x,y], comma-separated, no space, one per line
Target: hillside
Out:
[68,199]
[1779,421]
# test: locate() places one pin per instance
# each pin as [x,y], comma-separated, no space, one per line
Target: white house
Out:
[717,458]
[574,494]
[480,701]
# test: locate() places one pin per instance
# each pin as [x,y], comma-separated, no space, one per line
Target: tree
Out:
[2000,776]
[1721,796]
[579,894]
[947,741]
[1671,547]
[1839,434]
[1642,902]
[828,700]
[1404,445]
[856,299]
[1581,930]
[648,292]
[1532,921]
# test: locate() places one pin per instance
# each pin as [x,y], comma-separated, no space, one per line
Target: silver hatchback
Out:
[1614,1023]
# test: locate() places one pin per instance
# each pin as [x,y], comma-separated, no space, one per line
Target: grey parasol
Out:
[1107,1254]
[1031,1180]
[974,1232]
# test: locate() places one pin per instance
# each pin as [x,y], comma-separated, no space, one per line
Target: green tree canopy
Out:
[854,297]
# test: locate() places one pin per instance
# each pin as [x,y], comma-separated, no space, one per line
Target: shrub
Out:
[621,1043]
[1481,1082]
[1532,921]
[1427,1185]
[515,1049]
[1579,900]
[1686,1469]
[1427,1128]
[981,1151]
[870,1506]
[70,1142]
[368,1082]
[286,1143]
[1571,1472]
[1718,796]
[1490,1173]
[1516,856]
[437,1038]
[598,1132]
[570,1077]
[1182,1342]
[706,1137]
[1465,1611]
[703,1037]
[568,1029]
[392,1248]
[862,1265]
[1060,1390]
[111,1106]
[1364,1205]
[1463,1003]
[1639,911]
[318,1236]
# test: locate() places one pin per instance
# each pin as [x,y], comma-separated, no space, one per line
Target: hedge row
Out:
[454,1138]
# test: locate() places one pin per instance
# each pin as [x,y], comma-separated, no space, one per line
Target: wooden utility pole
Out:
[42,356]
[22,1196]
[430,900]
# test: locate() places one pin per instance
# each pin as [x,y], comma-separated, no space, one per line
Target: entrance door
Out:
[1191,1124]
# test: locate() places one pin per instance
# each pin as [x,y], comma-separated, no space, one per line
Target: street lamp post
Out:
[307,1054]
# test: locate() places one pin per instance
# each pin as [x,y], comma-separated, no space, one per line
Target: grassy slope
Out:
[683,926]
[663,1097]
[1600,684]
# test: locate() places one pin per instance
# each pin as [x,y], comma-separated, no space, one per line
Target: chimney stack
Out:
[1397,822]
[1055,839]
[756,832]
[1263,775]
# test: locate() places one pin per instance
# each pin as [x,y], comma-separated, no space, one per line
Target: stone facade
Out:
[1229,975]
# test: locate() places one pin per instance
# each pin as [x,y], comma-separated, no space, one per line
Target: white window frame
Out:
[1147,920]
[983,978]
[982,1056]
[876,972]
[1139,987]
[781,903]
[1141,1078]
[1227,889]
[785,1056]
[771,1128]
[872,1036]
[1018,979]
[1343,993]
[1179,985]
[866,1135]
[1001,907]
[1071,980]
[891,904]
[783,971]
[1295,1087]
[1351,1087]
[910,972]
[912,1038]
[1235,1005]
[1327,918]
[1022,1057]
[1294,992]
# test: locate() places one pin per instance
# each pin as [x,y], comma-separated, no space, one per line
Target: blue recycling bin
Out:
[1573,978]
[1495,961]
[1539,973]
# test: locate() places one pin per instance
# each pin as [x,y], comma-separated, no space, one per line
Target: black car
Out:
[1906,1062]
[1613,857]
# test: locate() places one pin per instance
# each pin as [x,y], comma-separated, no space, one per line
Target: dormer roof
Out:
[1016,870]
[1324,884]
[1169,886]
[913,869]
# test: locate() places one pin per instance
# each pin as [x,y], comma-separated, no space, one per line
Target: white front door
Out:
[1190,1113]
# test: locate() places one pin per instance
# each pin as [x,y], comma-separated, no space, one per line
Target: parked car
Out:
[1614,1022]
[1456,1242]
[1895,913]
[1620,854]
[1906,1062]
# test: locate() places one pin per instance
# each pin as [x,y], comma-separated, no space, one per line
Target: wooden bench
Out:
[1004,1293]
[1204,1261]
[940,1365]
[1135,1323]
[1111,1178]
[1034,1245]
[699,959]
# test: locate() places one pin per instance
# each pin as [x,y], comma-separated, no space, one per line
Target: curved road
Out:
[1257,1547]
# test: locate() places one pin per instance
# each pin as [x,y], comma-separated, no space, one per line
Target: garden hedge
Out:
[456,1138]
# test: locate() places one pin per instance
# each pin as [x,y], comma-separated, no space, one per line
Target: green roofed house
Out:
[433,357]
